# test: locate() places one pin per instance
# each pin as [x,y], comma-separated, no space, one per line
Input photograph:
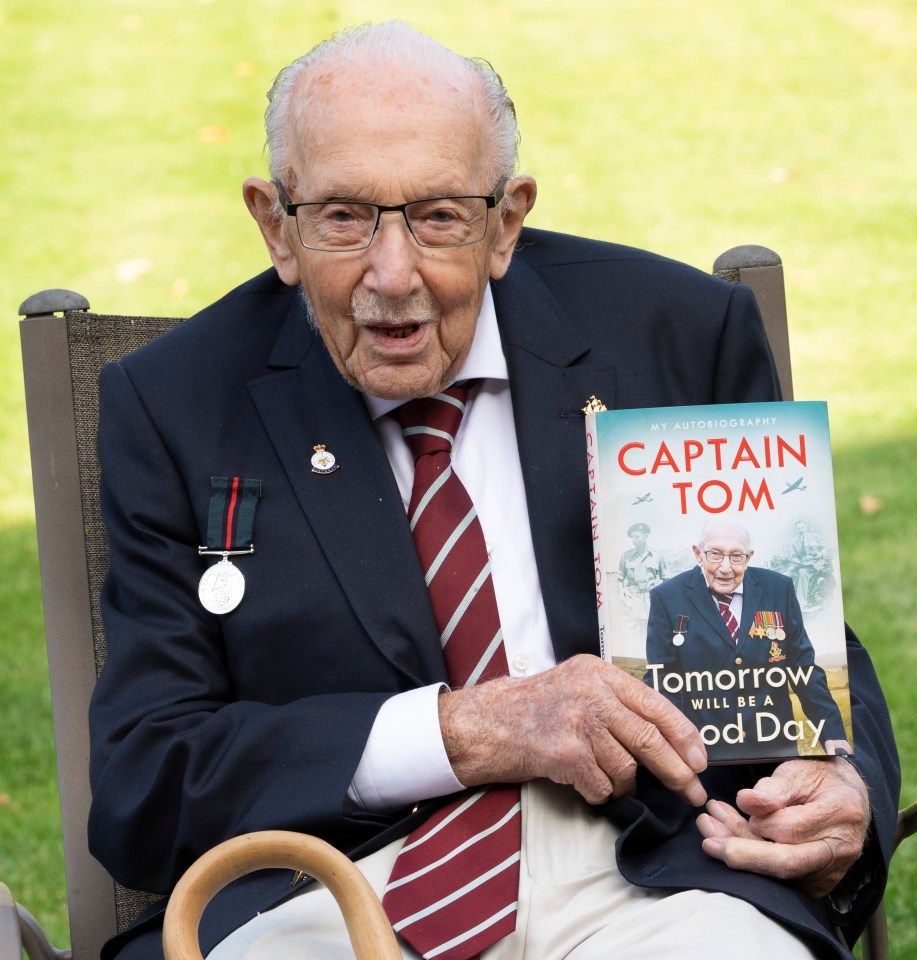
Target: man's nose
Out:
[393,258]
[726,564]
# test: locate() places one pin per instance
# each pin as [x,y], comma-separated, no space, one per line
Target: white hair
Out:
[393,43]
[717,523]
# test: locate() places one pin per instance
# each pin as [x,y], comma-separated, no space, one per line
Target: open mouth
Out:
[399,333]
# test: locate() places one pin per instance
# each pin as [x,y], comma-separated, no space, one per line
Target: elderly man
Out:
[401,657]
[713,618]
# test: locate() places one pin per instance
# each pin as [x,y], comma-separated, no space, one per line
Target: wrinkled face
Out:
[724,575]
[397,318]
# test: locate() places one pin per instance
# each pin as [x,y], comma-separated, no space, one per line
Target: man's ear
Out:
[260,198]
[522,191]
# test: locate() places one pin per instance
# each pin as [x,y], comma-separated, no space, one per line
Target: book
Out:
[717,574]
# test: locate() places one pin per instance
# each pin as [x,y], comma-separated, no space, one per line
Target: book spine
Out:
[602,587]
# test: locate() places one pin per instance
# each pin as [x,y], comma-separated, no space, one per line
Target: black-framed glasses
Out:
[340,226]
[716,556]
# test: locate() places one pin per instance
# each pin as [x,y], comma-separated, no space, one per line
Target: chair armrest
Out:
[19,931]
[907,823]
[10,941]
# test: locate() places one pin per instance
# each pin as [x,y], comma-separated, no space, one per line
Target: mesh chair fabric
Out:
[95,340]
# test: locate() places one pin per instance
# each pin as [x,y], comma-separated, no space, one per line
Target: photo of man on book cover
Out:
[726,643]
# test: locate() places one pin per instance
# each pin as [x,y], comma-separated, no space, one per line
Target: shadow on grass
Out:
[877,515]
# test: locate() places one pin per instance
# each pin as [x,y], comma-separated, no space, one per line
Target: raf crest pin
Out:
[323,460]
[594,405]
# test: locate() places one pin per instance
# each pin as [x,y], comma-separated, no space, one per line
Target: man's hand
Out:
[806,823]
[583,722]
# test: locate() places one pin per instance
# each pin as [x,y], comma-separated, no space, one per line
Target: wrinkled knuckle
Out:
[624,768]
[849,851]
[584,663]
[646,740]
[591,785]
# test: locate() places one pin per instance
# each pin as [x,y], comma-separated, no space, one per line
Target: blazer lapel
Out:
[751,603]
[701,600]
[552,375]
[307,402]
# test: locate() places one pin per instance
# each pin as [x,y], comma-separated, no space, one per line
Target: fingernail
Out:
[697,795]
[713,847]
[697,759]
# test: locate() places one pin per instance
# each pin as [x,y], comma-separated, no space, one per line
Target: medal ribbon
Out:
[231,518]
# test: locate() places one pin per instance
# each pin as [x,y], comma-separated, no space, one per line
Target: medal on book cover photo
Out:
[768,623]
[678,634]
[230,522]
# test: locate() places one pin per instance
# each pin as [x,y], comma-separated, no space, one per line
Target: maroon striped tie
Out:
[454,887]
[732,625]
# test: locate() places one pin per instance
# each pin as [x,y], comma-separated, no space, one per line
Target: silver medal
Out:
[222,587]
[678,639]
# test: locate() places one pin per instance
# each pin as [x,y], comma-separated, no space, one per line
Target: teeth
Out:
[399,333]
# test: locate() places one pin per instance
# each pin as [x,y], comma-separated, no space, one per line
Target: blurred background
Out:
[686,128]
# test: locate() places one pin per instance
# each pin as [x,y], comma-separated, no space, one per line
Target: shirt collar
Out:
[485,358]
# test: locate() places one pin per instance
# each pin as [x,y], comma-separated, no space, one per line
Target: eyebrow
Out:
[356,196]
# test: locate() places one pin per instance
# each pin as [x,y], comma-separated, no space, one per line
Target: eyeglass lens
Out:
[442,222]
[716,556]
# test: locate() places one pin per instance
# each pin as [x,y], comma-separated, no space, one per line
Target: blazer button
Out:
[738,660]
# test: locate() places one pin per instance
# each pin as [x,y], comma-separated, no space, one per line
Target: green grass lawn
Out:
[686,128]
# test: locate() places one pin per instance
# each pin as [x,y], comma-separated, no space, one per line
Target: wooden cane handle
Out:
[370,932]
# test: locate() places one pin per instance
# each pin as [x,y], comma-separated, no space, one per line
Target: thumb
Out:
[769,793]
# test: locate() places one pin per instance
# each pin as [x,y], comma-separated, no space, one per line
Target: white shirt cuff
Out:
[404,759]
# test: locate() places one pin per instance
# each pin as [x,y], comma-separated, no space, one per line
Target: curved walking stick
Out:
[370,931]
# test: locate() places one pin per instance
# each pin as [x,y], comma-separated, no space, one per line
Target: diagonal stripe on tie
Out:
[724,601]
[455,851]
[481,928]
[448,545]
[455,883]
[457,894]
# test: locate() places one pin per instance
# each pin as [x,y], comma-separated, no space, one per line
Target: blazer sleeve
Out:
[855,899]
[184,753]
[744,364]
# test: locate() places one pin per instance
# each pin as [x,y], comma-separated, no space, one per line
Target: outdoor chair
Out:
[64,347]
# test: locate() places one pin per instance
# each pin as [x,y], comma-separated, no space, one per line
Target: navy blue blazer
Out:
[683,605]
[205,727]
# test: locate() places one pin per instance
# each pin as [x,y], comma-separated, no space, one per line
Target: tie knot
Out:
[430,424]
[724,599]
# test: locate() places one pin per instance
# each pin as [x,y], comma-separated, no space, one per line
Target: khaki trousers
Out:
[573,904]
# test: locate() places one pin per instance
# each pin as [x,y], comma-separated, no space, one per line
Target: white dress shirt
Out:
[404,760]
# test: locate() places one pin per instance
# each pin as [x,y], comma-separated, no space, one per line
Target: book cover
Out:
[717,574]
